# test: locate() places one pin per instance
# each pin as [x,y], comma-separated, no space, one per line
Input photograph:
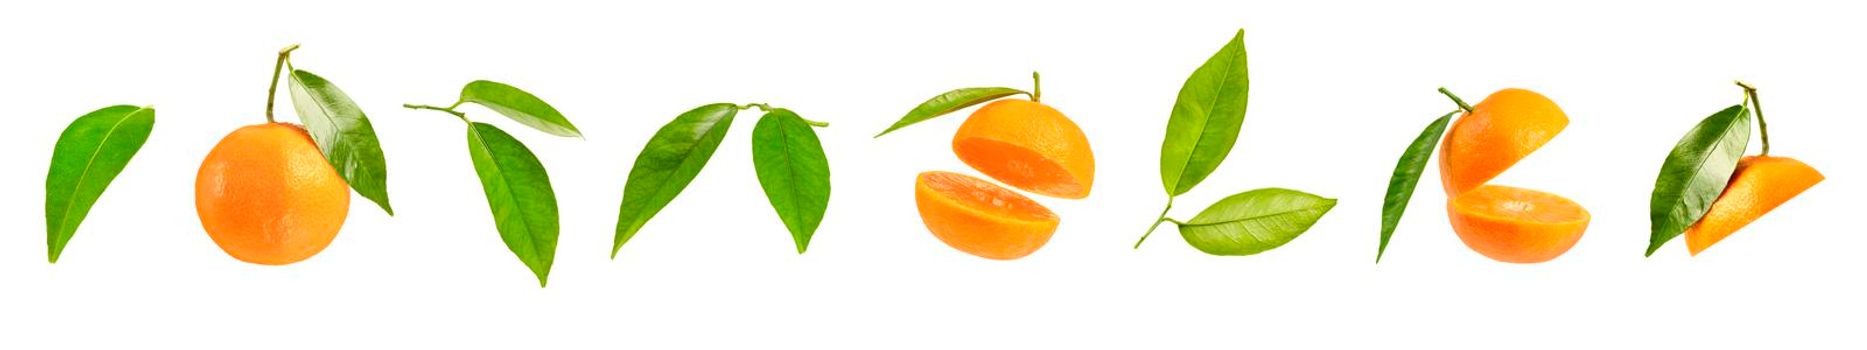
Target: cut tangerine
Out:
[1761,183]
[1498,132]
[1517,225]
[1027,145]
[980,218]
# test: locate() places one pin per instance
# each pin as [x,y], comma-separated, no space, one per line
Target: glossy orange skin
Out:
[1498,132]
[266,195]
[980,218]
[1760,184]
[1028,145]
[1517,225]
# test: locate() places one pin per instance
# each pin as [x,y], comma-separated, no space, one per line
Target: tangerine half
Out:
[1498,132]
[980,218]
[1517,225]
[1760,184]
[1027,145]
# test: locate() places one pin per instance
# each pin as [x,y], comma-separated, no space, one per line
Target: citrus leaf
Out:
[1407,177]
[519,192]
[1206,118]
[668,163]
[1254,221]
[1696,172]
[520,106]
[793,171]
[89,154]
[344,134]
[949,102]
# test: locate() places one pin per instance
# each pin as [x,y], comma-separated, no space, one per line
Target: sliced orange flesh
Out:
[1500,131]
[980,218]
[1019,167]
[1027,145]
[1760,184]
[1517,225]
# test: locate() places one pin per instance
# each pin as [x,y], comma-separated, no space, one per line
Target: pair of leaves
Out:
[518,190]
[950,102]
[1206,119]
[791,168]
[1696,173]
[343,133]
[89,154]
[1407,177]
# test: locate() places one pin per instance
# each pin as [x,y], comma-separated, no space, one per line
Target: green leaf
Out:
[1206,118]
[1407,177]
[519,193]
[1696,172]
[793,171]
[1255,221]
[89,154]
[949,102]
[668,163]
[520,106]
[344,134]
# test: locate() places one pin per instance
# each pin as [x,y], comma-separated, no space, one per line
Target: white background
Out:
[1338,90]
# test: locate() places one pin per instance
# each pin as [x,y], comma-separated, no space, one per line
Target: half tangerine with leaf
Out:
[1022,143]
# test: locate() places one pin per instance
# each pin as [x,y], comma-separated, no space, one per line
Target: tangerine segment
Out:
[1028,145]
[266,195]
[1517,225]
[1761,183]
[1498,132]
[980,218]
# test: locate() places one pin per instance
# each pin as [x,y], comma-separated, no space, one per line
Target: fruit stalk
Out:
[1455,99]
[272,90]
[1750,94]
[1037,87]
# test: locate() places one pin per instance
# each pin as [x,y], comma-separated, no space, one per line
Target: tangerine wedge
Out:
[1760,184]
[1498,132]
[1027,145]
[980,218]
[1517,225]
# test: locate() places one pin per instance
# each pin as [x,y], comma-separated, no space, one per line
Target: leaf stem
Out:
[767,108]
[449,110]
[1163,218]
[1750,94]
[272,90]
[762,107]
[1037,87]
[1455,99]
